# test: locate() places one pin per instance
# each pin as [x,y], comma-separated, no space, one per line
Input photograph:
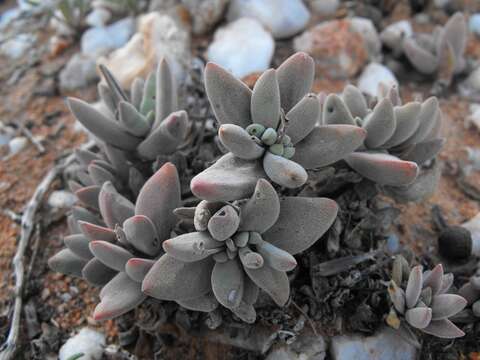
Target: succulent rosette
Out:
[441,52]
[237,249]
[420,301]
[400,138]
[131,131]
[270,132]
[118,249]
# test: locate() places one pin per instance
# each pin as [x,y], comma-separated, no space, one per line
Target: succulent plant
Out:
[420,301]
[238,248]
[440,53]
[270,132]
[117,250]
[400,138]
[130,131]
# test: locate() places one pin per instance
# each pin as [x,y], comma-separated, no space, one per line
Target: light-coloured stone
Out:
[159,36]
[99,41]
[367,29]
[79,72]
[98,17]
[88,341]
[393,35]
[306,347]
[284,18]
[243,47]
[205,14]
[17,144]
[61,199]
[386,344]
[372,76]
[339,50]
[474,24]
[324,7]
[17,46]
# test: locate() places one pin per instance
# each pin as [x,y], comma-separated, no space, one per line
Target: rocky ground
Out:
[38,71]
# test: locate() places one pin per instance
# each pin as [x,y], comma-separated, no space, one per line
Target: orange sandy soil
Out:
[20,174]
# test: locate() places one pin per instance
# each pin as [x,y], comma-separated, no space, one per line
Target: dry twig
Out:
[28,224]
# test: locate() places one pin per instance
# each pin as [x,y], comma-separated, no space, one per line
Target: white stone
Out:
[392,36]
[17,46]
[372,76]
[369,33]
[243,47]
[474,24]
[386,344]
[79,72]
[17,144]
[8,16]
[205,14]
[284,18]
[159,36]
[98,41]
[324,7]
[61,199]
[98,17]
[88,341]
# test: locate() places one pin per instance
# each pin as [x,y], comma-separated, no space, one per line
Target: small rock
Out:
[254,54]
[17,144]
[88,341]
[6,134]
[98,17]
[386,344]
[392,36]
[304,348]
[474,24]
[338,49]
[372,76]
[61,199]
[79,72]
[471,85]
[422,19]
[8,16]
[324,7]
[284,18]
[159,36]
[366,28]
[17,46]
[205,14]
[98,41]
[474,117]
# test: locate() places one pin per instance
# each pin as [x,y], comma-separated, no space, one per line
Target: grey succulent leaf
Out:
[383,168]
[295,79]
[447,305]
[414,286]
[112,255]
[230,98]
[137,268]
[67,263]
[443,329]
[118,296]
[172,279]
[419,317]
[355,101]
[97,273]
[265,100]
